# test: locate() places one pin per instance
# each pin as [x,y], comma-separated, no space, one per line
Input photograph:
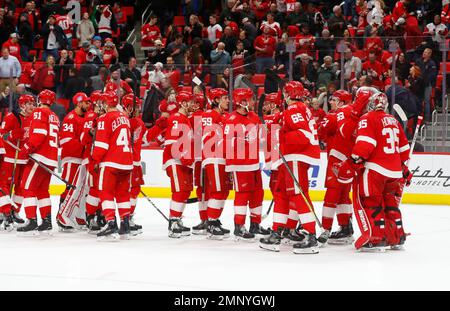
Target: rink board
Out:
[430,185]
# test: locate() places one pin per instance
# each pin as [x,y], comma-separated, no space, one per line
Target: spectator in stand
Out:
[177,50]
[172,73]
[13,45]
[214,30]
[150,32]
[304,41]
[106,21]
[248,45]
[126,50]
[25,36]
[91,66]
[116,80]
[303,71]
[265,50]
[373,68]
[9,68]
[85,29]
[33,17]
[220,59]
[245,80]
[403,67]
[250,30]
[325,44]
[437,30]
[232,24]
[51,7]
[65,22]
[277,15]
[297,17]
[159,54]
[230,9]
[26,78]
[193,30]
[415,83]
[230,40]
[74,84]
[171,33]
[54,38]
[99,81]
[205,47]
[45,76]
[281,56]
[352,66]
[274,27]
[97,45]
[326,73]
[373,43]
[119,16]
[195,62]
[260,7]
[10,6]
[317,112]
[429,73]
[64,63]
[6,26]
[239,58]
[132,75]
[81,54]
[155,76]
[337,23]
[110,53]
[246,12]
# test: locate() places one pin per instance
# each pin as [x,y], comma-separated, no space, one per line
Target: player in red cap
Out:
[17,126]
[242,159]
[112,157]
[71,147]
[42,144]
[178,158]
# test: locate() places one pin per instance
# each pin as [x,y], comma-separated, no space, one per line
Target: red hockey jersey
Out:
[344,139]
[138,130]
[43,141]
[298,135]
[11,125]
[86,139]
[179,130]
[327,129]
[112,146]
[242,142]
[271,139]
[212,139]
[70,138]
[65,22]
[381,142]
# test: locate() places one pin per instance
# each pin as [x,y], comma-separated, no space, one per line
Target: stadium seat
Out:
[258,79]
[439,81]
[260,91]
[447,69]
[38,65]
[64,102]
[179,21]
[128,11]
[39,44]
[142,90]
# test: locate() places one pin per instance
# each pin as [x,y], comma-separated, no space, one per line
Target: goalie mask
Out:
[378,101]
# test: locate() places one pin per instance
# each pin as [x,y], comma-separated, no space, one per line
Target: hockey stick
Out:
[401,113]
[68,184]
[9,199]
[153,204]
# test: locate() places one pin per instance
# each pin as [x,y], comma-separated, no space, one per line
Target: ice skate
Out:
[226,232]
[124,231]
[343,236]
[185,231]
[29,228]
[214,232]
[273,241]
[101,221]
[201,228]
[64,228]
[135,229]
[109,233]
[323,238]
[308,246]
[401,245]
[292,236]
[16,218]
[241,234]
[45,228]
[7,224]
[372,247]
[257,229]
[93,227]
[174,229]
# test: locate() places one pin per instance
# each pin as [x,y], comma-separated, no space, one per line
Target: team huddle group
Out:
[366,149]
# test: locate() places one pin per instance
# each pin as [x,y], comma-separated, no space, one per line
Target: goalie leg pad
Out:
[375,213]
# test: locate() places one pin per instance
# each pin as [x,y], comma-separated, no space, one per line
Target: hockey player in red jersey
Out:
[196,123]
[112,157]
[178,158]
[378,157]
[17,132]
[216,180]
[70,141]
[242,160]
[300,147]
[131,105]
[337,200]
[93,207]
[42,145]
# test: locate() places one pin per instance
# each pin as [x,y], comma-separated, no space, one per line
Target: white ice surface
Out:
[152,261]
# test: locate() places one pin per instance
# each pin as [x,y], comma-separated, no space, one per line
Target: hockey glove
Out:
[360,104]
[26,150]
[407,175]
[17,134]
[92,167]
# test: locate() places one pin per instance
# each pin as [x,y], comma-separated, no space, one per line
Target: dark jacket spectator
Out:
[132,75]
[126,50]
[74,84]
[326,73]
[57,31]
[159,54]
[193,30]
[63,64]
[337,23]
[25,36]
[229,39]
[325,45]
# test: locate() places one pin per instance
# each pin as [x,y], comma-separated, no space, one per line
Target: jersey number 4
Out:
[122,140]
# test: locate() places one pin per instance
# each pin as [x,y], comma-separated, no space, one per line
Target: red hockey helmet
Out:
[378,101]
[25,99]
[242,97]
[130,101]
[95,96]
[341,96]
[168,107]
[294,89]
[110,99]
[273,98]
[217,93]
[79,98]
[184,96]
[47,97]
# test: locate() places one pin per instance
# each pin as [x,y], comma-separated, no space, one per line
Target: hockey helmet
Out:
[184,96]
[47,97]
[130,101]
[79,98]
[217,93]
[243,97]
[25,99]
[294,90]
[95,96]
[378,101]
[110,99]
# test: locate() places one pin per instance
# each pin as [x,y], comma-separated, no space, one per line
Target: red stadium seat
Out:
[128,11]
[439,81]
[260,91]
[179,21]
[258,79]
[39,44]
[64,102]
[142,90]
[447,69]
[38,65]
